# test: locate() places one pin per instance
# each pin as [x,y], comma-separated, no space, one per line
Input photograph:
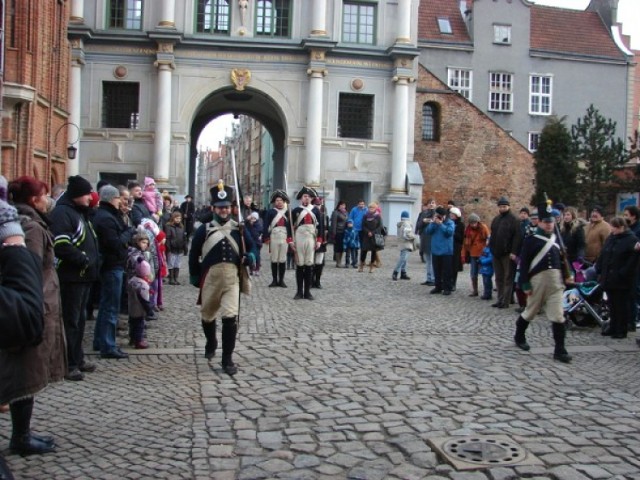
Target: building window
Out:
[500,92]
[534,138]
[430,122]
[355,116]
[359,23]
[125,14]
[502,34]
[213,16]
[539,95]
[120,101]
[444,25]
[273,18]
[460,80]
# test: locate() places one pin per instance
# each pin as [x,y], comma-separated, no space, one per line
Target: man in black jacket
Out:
[113,238]
[505,244]
[138,209]
[76,250]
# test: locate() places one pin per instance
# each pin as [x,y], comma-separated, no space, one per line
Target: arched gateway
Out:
[333,82]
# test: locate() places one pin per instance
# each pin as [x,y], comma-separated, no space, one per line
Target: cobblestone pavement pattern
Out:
[349,386]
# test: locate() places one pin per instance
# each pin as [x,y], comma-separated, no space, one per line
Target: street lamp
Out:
[71,149]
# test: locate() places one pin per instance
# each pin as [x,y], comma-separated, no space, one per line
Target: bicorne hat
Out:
[308,190]
[221,195]
[279,194]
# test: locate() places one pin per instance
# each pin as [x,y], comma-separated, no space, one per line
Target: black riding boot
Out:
[308,279]
[519,337]
[209,330]
[282,268]
[229,332]
[317,274]
[274,275]
[300,273]
[22,440]
[559,333]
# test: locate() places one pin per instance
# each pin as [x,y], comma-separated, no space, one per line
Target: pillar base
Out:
[393,204]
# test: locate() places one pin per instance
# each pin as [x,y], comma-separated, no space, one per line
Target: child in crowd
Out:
[351,244]
[139,304]
[141,248]
[152,198]
[152,230]
[254,225]
[175,246]
[486,270]
[405,242]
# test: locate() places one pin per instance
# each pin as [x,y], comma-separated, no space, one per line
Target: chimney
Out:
[607,9]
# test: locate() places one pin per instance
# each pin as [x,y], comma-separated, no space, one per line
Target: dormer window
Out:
[444,25]
[502,34]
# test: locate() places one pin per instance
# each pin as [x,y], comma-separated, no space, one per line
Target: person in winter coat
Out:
[351,244]
[617,268]
[371,225]
[458,239]
[26,371]
[406,239]
[475,240]
[176,240]
[139,304]
[113,237]
[504,243]
[423,221]
[76,250]
[486,270]
[338,223]
[441,231]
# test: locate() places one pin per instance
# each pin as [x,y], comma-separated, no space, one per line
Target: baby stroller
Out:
[585,304]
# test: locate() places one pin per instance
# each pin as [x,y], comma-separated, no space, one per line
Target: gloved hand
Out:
[194,280]
[249,259]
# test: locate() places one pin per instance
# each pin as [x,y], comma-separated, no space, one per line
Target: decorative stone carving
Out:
[240,78]
[120,72]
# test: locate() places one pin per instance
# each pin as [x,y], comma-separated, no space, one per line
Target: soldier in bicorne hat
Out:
[541,279]
[218,251]
[277,234]
[307,225]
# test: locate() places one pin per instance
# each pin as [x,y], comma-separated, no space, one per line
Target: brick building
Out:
[35,87]
[464,155]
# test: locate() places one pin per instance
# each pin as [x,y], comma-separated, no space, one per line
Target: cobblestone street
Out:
[352,385]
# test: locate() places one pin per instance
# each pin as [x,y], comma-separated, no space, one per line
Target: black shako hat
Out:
[308,190]
[279,194]
[545,212]
[221,195]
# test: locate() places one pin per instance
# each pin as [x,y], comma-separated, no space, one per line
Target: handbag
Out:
[379,240]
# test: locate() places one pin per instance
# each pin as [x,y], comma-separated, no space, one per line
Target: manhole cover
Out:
[486,451]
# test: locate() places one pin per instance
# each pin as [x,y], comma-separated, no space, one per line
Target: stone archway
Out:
[251,102]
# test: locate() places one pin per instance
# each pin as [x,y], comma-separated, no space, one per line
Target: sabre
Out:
[240,219]
[293,230]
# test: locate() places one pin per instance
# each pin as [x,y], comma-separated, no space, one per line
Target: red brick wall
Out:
[475,161]
[39,59]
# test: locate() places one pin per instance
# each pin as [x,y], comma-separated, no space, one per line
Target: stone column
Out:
[404,22]
[314,126]
[75,82]
[168,14]
[319,18]
[77,11]
[400,135]
[162,143]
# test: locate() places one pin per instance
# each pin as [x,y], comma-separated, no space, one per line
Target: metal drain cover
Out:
[475,452]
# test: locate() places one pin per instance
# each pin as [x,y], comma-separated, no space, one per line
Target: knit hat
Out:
[143,269]
[149,181]
[524,210]
[78,187]
[254,215]
[108,193]
[503,201]
[456,211]
[474,217]
[9,222]
[95,199]
[4,185]
[404,214]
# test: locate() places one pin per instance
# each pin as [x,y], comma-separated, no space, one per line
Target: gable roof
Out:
[428,15]
[571,31]
[554,30]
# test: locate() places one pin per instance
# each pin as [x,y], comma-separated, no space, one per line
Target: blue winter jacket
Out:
[486,262]
[441,237]
[356,215]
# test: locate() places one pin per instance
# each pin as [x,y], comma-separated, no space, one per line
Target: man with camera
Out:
[441,231]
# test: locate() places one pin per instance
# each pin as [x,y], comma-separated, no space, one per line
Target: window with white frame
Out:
[126,14]
[460,80]
[540,95]
[500,92]
[534,138]
[444,25]
[359,22]
[502,34]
